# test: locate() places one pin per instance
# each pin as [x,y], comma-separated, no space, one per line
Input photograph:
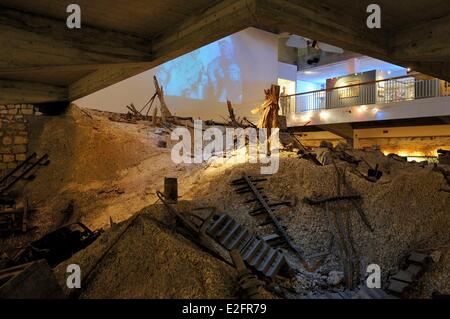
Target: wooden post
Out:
[154,119]
[165,113]
[270,109]
[171,190]
[233,120]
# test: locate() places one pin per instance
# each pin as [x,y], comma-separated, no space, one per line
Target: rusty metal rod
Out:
[32,156]
[29,169]
[318,201]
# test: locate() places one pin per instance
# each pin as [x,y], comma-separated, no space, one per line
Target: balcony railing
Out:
[376,92]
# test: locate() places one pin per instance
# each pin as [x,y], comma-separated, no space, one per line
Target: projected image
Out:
[210,72]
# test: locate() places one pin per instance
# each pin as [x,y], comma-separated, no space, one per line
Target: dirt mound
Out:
[406,208]
[106,169]
[150,261]
[438,279]
[109,169]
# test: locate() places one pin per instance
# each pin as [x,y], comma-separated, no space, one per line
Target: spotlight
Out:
[362,108]
[306,118]
[324,115]
[313,61]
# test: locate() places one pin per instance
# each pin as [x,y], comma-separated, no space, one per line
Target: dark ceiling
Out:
[138,17]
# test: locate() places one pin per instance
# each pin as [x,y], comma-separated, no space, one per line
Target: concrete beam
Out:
[438,69]
[445,119]
[103,77]
[428,41]
[408,131]
[30,41]
[18,92]
[221,20]
[311,20]
[344,130]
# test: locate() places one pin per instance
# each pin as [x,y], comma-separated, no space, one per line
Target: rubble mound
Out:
[437,280]
[150,261]
[405,207]
[107,169]
[98,168]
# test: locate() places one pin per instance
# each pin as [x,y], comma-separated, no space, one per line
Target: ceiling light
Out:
[324,115]
[306,118]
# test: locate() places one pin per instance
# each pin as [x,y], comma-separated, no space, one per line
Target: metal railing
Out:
[376,92]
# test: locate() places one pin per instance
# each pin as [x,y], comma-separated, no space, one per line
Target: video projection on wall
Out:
[209,73]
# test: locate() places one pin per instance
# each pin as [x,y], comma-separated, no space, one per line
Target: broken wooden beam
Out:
[323,200]
[165,113]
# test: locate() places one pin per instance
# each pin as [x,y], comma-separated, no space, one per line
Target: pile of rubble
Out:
[310,230]
[144,258]
[390,208]
[444,157]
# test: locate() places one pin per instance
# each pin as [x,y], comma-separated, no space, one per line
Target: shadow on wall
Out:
[54,108]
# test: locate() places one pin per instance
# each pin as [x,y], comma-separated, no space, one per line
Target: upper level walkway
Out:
[395,98]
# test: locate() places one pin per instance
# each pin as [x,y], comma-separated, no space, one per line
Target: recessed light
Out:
[306,118]
[324,115]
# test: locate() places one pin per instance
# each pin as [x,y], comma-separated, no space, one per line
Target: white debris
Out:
[335,278]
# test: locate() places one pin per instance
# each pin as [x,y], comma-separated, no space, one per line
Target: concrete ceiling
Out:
[143,18]
[121,38]
[396,14]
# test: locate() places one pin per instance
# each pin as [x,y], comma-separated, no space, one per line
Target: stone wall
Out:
[13,135]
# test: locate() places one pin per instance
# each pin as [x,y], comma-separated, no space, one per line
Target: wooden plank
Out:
[35,281]
[398,288]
